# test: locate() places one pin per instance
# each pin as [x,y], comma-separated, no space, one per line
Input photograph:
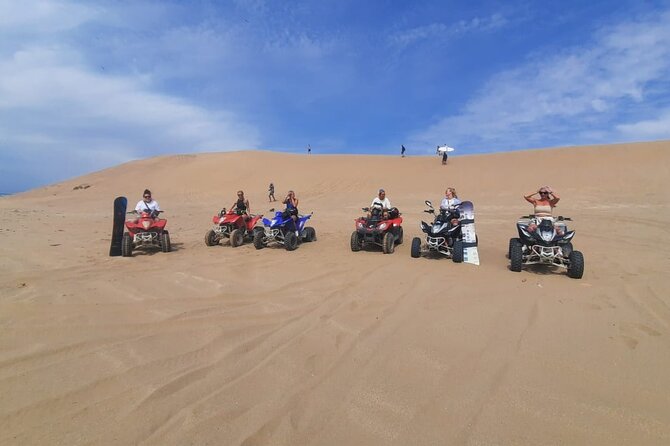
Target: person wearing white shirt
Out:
[450,200]
[380,202]
[147,204]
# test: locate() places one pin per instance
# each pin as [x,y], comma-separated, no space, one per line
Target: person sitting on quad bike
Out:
[380,204]
[291,202]
[543,207]
[147,204]
[449,204]
[241,206]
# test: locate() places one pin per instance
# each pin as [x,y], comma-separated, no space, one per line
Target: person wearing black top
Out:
[241,206]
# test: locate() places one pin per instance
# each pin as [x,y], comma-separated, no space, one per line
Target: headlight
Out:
[146,224]
[273,222]
[383,226]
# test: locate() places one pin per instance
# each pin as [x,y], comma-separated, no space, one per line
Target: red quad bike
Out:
[147,231]
[231,225]
[377,231]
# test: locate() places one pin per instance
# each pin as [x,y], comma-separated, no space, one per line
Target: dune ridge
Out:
[215,345]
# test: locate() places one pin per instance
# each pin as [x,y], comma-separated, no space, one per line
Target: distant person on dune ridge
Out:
[271,193]
[543,206]
[402,151]
[148,204]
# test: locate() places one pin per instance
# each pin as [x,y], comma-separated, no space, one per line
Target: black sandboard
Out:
[120,204]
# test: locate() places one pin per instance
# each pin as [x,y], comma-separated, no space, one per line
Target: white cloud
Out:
[441,31]
[54,105]
[43,16]
[649,129]
[585,90]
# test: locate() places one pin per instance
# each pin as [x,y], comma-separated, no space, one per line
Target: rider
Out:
[291,202]
[241,206]
[542,206]
[380,202]
[147,204]
[449,204]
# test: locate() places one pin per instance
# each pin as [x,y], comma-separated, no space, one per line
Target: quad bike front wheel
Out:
[576,266]
[258,239]
[290,241]
[355,242]
[509,249]
[388,243]
[457,251]
[255,231]
[400,236]
[126,245]
[515,256]
[236,238]
[416,247]
[165,242]
[210,238]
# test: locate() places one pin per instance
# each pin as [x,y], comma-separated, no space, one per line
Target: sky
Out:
[86,85]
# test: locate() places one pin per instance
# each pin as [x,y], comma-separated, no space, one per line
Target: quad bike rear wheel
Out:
[416,247]
[165,242]
[515,256]
[457,251]
[290,241]
[355,242]
[388,243]
[210,238]
[576,266]
[258,240]
[310,234]
[126,245]
[237,238]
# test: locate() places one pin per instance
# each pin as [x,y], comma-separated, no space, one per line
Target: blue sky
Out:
[87,85]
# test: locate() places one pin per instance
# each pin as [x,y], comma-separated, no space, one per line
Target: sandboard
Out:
[470,253]
[120,204]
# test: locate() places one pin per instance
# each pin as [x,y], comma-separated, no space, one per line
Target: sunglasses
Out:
[544,193]
[147,196]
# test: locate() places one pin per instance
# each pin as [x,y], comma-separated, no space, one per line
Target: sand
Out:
[322,346]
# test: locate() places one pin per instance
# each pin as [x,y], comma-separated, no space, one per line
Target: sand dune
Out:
[215,345]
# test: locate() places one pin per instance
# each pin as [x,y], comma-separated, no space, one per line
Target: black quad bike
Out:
[549,244]
[442,236]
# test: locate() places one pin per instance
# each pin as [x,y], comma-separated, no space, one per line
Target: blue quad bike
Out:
[283,230]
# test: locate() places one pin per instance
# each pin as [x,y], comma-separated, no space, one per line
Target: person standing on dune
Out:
[271,193]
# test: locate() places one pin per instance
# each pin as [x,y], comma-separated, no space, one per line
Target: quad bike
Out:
[232,225]
[549,244]
[147,231]
[442,236]
[284,231]
[377,230]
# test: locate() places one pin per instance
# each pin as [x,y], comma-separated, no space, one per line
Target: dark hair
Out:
[146,192]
